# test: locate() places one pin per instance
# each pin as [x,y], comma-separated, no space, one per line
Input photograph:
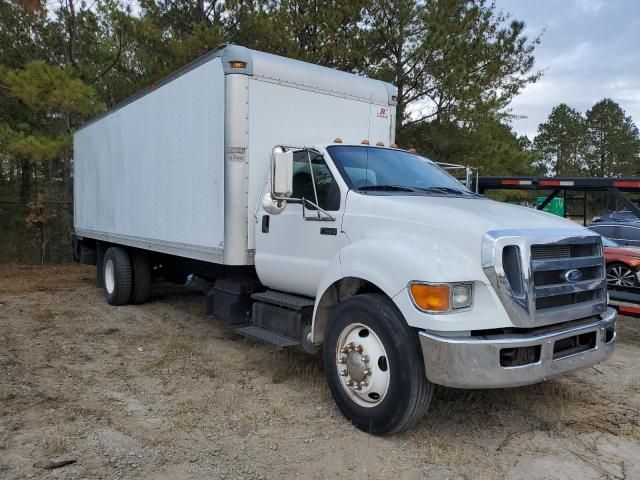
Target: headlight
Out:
[461,295]
[441,297]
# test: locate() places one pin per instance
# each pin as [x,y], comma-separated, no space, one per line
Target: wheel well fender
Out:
[339,291]
[352,271]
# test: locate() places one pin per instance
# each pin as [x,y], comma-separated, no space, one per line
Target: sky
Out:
[590,50]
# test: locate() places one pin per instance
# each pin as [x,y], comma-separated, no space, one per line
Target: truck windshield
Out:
[372,169]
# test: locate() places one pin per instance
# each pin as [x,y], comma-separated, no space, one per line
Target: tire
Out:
[117,276]
[141,286]
[396,391]
[621,274]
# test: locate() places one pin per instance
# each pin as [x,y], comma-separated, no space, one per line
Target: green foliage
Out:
[33,147]
[49,88]
[561,142]
[492,147]
[329,33]
[604,142]
[613,141]
[453,61]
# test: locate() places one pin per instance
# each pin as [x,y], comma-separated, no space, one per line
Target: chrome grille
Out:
[529,268]
[540,252]
[553,291]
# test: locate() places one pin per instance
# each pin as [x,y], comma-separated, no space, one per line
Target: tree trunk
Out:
[73,29]
[25,180]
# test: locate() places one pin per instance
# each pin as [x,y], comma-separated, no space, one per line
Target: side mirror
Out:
[282,173]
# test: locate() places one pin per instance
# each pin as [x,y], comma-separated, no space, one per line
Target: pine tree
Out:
[491,146]
[561,142]
[613,141]
[453,61]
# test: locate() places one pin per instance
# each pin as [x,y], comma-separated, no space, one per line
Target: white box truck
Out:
[279,184]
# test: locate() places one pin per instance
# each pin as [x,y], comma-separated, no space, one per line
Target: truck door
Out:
[294,247]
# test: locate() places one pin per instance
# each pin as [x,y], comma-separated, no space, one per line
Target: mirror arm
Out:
[319,218]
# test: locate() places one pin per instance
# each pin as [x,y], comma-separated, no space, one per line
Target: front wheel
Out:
[373,365]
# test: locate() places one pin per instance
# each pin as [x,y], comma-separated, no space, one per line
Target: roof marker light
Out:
[365,142]
[337,140]
[393,145]
[380,144]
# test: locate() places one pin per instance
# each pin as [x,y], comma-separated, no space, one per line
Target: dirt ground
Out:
[160,391]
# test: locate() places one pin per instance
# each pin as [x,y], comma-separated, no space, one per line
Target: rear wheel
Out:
[141,286]
[620,274]
[117,276]
[374,367]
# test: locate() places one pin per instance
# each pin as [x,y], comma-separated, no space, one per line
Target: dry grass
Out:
[168,378]
[43,314]
[54,444]
[296,365]
[20,279]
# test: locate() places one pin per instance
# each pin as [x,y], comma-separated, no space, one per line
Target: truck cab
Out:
[493,295]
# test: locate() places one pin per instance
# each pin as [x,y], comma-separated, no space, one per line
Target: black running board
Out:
[260,334]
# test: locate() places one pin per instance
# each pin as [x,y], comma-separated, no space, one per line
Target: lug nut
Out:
[364,383]
[342,360]
[365,358]
[367,371]
[349,383]
[357,387]
[358,348]
[350,345]
[343,373]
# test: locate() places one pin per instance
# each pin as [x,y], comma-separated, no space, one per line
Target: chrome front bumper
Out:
[474,362]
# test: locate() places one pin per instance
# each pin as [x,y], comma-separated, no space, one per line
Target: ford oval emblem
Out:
[573,275]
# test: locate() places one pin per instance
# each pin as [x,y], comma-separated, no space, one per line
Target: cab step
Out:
[255,332]
[285,300]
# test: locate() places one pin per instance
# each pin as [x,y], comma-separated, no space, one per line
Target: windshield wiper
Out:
[386,188]
[450,190]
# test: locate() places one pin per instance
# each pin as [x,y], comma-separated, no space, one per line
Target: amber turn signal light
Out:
[431,298]
[237,64]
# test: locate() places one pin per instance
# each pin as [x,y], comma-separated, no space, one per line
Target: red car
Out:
[623,264]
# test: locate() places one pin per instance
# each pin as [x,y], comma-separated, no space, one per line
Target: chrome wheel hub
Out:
[620,275]
[362,365]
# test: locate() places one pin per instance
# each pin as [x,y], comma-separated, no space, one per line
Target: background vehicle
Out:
[623,233]
[259,174]
[621,216]
[623,264]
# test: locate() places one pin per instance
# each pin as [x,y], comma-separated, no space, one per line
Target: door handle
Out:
[265,224]
[328,231]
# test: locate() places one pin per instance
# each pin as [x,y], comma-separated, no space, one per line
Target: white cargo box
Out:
[179,167]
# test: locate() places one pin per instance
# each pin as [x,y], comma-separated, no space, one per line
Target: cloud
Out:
[587,53]
[589,6]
